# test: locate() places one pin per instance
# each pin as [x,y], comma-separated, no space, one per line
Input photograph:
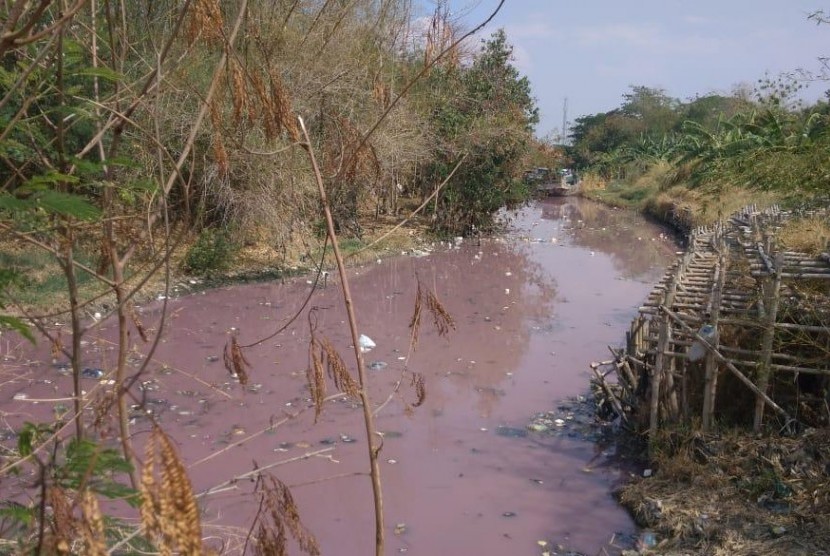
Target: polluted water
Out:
[501,456]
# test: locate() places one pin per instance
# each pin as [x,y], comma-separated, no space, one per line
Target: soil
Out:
[470,471]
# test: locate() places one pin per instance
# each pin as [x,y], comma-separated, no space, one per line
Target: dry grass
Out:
[687,208]
[415,321]
[324,360]
[169,513]
[235,362]
[809,235]
[419,385]
[590,183]
[442,320]
[67,530]
[278,517]
[92,526]
[736,495]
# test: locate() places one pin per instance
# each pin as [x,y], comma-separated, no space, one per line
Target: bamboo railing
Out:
[732,305]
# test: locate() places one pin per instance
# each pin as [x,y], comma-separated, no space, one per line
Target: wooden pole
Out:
[772,288]
[711,380]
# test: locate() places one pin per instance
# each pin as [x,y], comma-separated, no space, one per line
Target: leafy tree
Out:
[653,107]
[708,110]
[486,112]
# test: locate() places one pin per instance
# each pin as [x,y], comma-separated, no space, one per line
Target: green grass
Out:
[44,283]
[624,194]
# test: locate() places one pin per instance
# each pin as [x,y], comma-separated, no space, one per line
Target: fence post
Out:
[771,287]
[711,380]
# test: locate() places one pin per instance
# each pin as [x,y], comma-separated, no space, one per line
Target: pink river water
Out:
[533,309]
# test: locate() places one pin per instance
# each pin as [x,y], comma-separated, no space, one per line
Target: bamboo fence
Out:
[736,329]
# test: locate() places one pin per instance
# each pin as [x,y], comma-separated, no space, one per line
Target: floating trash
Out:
[509,514]
[647,540]
[92,372]
[378,365]
[366,343]
[63,368]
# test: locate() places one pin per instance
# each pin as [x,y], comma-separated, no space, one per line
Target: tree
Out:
[487,112]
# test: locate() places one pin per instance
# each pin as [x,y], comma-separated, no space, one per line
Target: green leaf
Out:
[18,512]
[13,204]
[44,181]
[16,324]
[68,204]
[25,439]
[88,461]
[102,72]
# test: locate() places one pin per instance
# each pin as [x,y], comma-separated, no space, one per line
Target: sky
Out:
[592,51]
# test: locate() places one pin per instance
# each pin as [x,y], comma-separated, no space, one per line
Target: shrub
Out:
[213,251]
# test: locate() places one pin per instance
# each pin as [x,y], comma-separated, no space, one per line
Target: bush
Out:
[212,252]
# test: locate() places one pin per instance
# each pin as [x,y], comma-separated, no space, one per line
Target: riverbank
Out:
[729,490]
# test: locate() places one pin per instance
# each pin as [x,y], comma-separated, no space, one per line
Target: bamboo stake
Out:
[658,372]
[711,379]
[615,403]
[772,288]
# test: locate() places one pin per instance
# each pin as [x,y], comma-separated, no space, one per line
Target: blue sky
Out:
[590,51]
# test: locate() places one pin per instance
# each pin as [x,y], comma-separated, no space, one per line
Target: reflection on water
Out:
[636,246]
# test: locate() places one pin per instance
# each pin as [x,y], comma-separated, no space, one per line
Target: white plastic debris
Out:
[698,350]
[366,343]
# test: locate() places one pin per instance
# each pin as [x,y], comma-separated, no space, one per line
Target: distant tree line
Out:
[764,139]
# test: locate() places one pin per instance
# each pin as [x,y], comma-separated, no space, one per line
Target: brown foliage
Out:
[92,525]
[279,506]
[324,356]
[420,389]
[235,361]
[139,326]
[316,379]
[57,345]
[415,321]
[63,525]
[441,318]
[169,513]
[205,22]
[102,411]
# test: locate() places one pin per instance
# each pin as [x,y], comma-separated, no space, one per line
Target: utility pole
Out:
[565,122]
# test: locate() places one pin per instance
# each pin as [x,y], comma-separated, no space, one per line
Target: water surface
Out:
[533,309]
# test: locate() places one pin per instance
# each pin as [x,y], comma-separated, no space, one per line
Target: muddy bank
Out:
[533,309]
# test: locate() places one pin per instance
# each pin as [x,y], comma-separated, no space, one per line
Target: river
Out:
[462,474]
